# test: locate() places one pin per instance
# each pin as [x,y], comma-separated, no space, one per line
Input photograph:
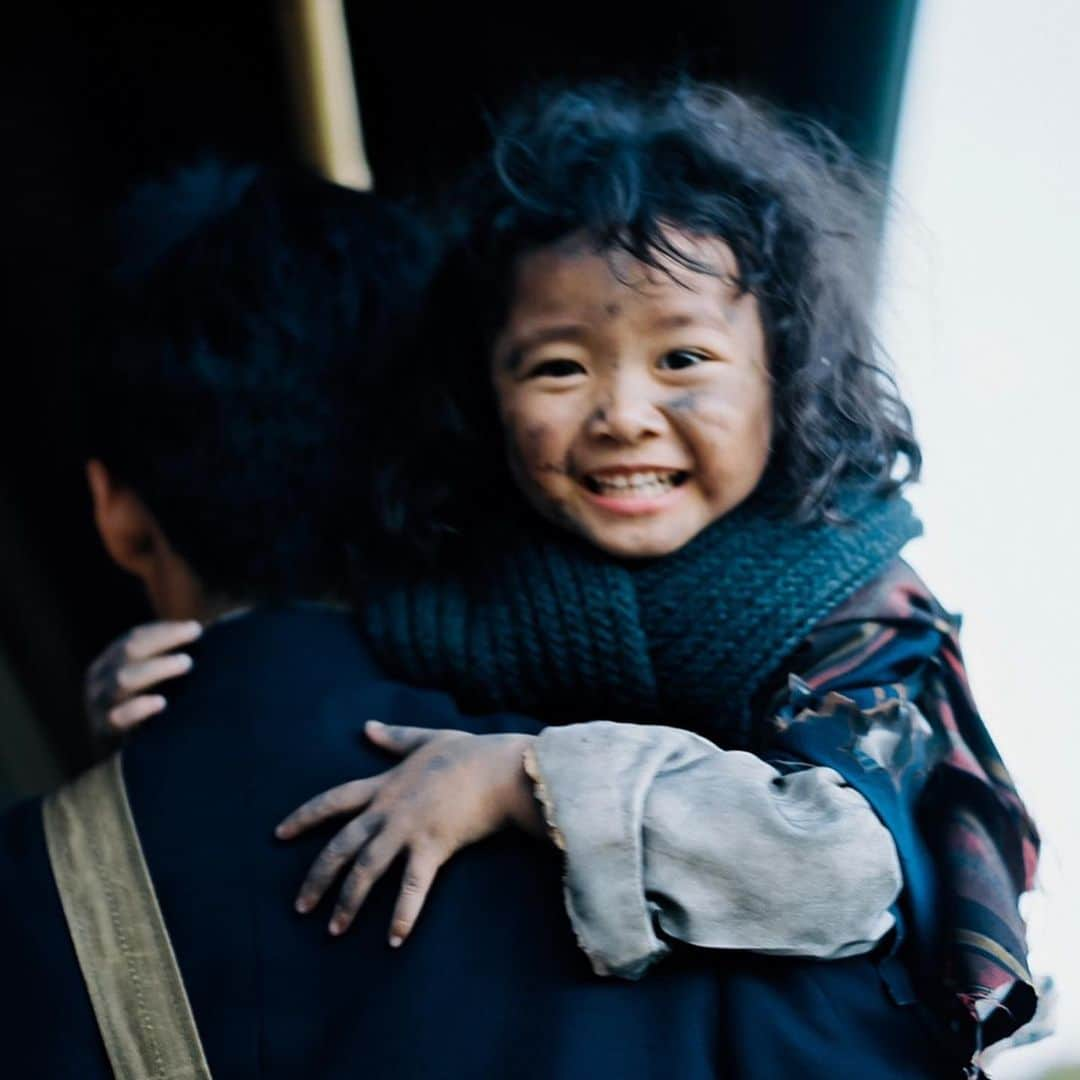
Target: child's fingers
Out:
[134,711]
[354,795]
[135,677]
[115,681]
[155,638]
[415,885]
[346,845]
[370,865]
[399,739]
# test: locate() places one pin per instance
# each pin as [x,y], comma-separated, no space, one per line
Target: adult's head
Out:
[249,310]
[651,183]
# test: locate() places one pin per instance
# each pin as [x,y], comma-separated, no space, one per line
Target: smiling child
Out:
[636,400]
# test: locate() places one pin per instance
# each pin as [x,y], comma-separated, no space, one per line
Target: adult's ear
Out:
[127,528]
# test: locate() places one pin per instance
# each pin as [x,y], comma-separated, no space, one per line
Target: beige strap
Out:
[120,937]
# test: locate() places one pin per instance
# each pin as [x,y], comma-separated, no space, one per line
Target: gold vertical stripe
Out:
[316,40]
[119,934]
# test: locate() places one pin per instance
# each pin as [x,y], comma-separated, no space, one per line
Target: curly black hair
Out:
[621,167]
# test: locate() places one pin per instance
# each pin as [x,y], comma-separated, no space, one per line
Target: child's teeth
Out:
[639,483]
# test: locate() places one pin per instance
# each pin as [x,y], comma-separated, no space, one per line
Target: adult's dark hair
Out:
[249,312]
[620,168]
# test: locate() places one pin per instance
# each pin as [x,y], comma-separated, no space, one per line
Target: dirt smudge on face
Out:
[532,453]
[705,408]
[684,403]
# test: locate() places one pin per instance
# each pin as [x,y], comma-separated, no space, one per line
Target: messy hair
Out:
[229,387]
[622,168]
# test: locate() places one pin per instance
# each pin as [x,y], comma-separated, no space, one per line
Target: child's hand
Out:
[450,790]
[138,660]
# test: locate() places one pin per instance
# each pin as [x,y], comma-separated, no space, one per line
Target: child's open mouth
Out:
[639,484]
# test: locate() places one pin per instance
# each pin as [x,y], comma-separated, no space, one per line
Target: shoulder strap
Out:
[119,935]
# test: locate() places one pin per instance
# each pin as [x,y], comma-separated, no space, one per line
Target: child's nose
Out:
[626,415]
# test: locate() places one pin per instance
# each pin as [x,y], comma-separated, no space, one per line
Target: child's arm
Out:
[718,849]
[877,696]
[668,836]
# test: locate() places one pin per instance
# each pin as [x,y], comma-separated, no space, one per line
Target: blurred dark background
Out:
[95,97]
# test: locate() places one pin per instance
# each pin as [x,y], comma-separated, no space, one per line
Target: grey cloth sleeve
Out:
[663,832]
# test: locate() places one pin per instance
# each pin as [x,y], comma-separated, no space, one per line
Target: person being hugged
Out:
[651,496]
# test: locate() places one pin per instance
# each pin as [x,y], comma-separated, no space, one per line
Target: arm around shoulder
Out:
[668,836]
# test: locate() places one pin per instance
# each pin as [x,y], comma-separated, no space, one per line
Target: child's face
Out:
[637,409]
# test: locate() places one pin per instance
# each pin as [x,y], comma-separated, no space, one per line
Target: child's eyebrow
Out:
[518,346]
[682,320]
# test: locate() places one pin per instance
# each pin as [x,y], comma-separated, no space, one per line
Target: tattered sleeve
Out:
[668,836]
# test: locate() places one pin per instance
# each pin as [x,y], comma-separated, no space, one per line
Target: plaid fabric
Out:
[880,693]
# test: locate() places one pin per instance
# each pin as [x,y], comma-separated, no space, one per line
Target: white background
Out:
[981,314]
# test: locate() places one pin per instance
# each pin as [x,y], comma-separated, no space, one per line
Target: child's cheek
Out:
[729,435]
[534,446]
[537,463]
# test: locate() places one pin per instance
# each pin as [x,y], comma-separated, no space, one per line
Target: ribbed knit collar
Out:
[540,622]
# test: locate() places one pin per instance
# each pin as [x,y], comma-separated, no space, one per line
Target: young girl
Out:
[651,486]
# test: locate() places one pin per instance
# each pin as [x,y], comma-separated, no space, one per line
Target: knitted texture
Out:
[545,623]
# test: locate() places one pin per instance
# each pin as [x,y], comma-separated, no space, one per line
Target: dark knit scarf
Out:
[542,622]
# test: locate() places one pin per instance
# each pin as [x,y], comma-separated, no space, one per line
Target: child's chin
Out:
[640,541]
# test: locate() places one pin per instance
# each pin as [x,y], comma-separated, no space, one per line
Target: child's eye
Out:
[679,359]
[558,369]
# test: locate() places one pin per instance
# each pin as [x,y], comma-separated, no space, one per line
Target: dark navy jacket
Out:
[490,985]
